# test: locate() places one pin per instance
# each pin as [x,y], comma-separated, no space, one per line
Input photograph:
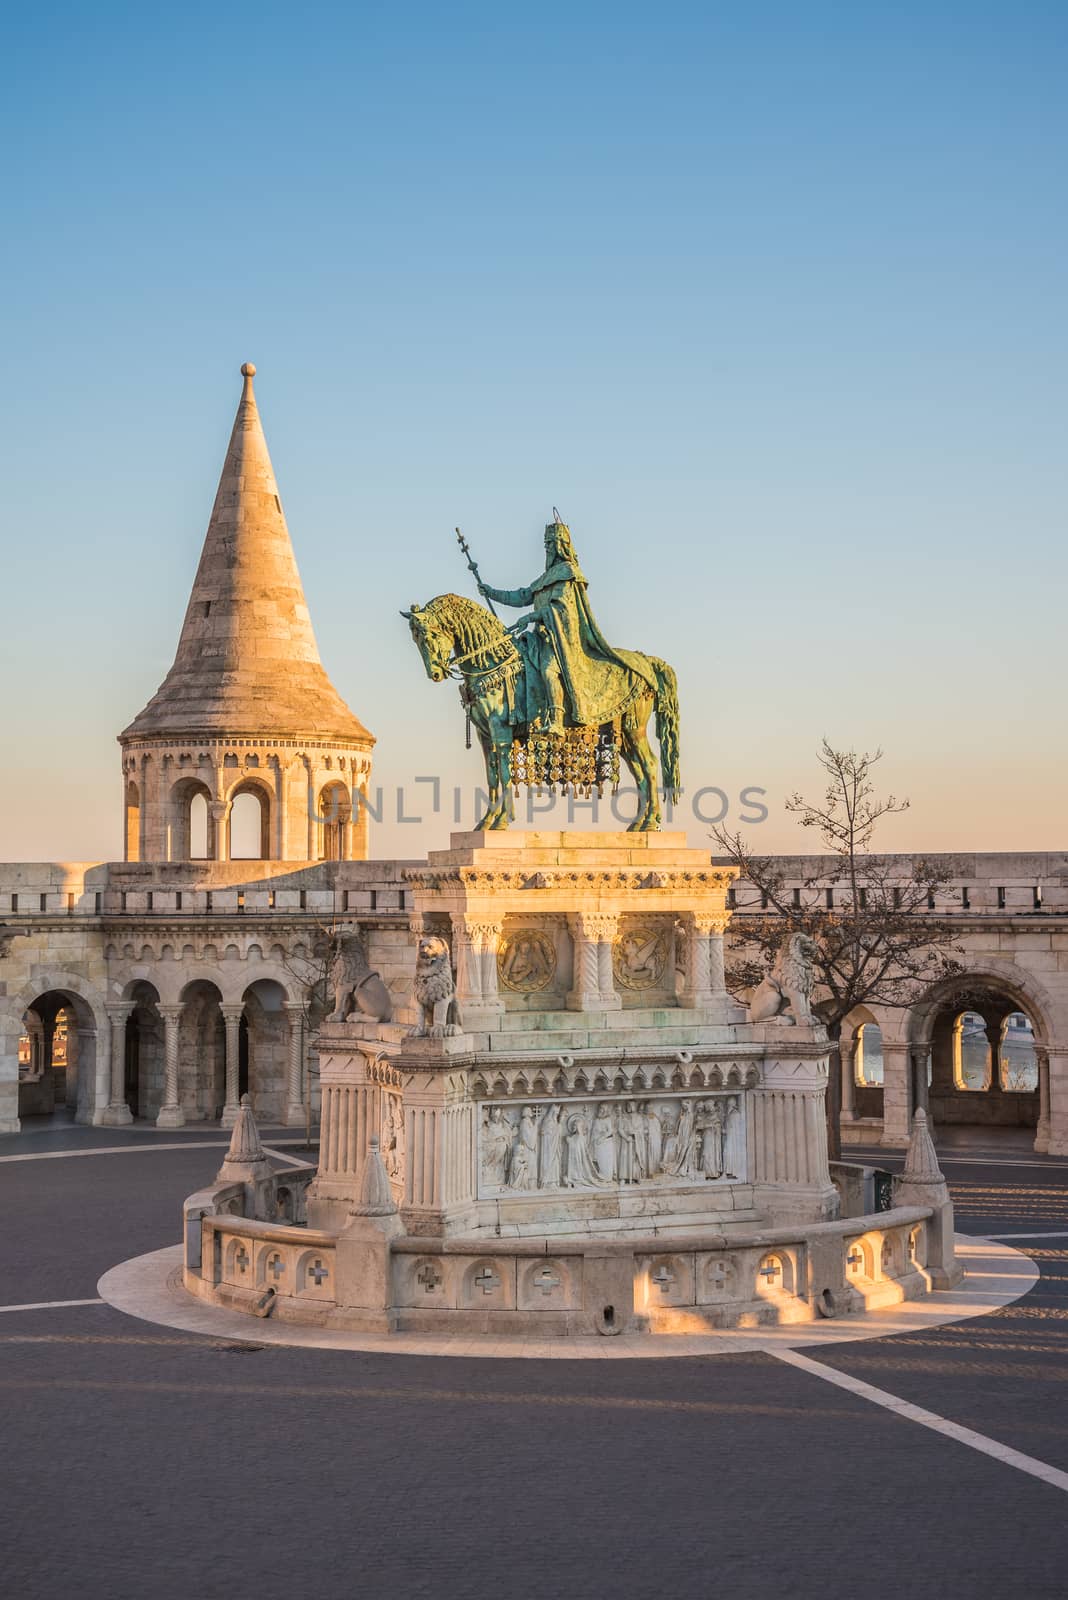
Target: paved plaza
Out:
[145,1460]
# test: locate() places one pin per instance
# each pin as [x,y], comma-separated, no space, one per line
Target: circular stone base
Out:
[150,1287]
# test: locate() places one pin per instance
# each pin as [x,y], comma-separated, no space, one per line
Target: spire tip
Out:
[248,370]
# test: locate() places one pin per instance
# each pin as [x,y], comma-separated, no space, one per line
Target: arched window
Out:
[250,825]
[971,1052]
[335,812]
[198,828]
[1016,1055]
[868,1060]
[133,822]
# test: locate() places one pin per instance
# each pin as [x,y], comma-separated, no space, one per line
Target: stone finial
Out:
[245,1140]
[248,370]
[246,1161]
[921,1159]
[376,1196]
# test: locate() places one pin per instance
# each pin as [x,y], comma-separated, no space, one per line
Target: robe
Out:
[549,1149]
[579,1171]
[603,1140]
[523,1173]
[597,679]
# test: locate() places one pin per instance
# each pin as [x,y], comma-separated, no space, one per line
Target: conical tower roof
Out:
[247,660]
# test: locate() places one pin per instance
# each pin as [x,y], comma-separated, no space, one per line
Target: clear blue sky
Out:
[768,299]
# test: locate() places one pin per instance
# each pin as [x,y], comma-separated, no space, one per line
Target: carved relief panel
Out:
[534,965]
[643,960]
[596,1144]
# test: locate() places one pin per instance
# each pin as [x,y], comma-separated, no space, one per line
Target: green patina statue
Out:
[553,702]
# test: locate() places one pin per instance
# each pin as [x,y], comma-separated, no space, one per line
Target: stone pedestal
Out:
[599,1148]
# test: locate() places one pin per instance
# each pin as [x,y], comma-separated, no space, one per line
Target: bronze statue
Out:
[553,702]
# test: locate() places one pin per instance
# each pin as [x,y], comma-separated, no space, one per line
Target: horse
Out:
[457,637]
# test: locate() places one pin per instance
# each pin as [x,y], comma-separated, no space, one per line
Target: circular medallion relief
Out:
[526,961]
[640,956]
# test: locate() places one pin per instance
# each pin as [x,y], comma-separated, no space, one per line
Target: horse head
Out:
[434,642]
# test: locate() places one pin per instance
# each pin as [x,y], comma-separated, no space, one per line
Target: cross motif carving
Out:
[663,1277]
[429,1276]
[487,1280]
[718,1275]
[276,1266]
[241,1259]
[888,1254]
[546,1280]
[770,1271]
[318,1272]
[854,1258]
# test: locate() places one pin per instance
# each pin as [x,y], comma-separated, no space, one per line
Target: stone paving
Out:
[144,1461]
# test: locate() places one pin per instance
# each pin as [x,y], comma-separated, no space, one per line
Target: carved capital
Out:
[594,927]
[706,923]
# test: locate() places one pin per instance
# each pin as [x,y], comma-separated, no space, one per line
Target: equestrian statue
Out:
[553,703]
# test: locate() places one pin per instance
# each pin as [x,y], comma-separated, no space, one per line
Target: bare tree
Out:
[880,939]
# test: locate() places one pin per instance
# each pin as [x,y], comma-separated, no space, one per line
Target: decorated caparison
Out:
[555,706]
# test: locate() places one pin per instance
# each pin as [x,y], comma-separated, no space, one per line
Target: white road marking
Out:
[290,1161]
[927,1419]
[52,1305]
[139,1149]
[1025,1235]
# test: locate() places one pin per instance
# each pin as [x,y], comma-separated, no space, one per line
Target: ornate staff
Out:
[462,542]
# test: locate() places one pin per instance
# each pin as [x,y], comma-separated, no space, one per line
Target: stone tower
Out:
[247,708]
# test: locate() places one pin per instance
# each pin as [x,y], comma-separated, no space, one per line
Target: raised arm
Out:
[508,597]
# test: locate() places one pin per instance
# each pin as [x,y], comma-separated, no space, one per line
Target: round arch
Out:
[251,814]
[333,814]
[190,828]
[1003,978]
[133,821]
[961,1021]
[53,991]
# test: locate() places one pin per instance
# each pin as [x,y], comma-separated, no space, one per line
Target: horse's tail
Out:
[667,725]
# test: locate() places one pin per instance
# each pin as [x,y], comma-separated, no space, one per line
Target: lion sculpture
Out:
[354,986]
[435,992]
[785,995]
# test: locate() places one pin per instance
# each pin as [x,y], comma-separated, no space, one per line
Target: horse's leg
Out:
[497,748]
[639,757]
[489,756]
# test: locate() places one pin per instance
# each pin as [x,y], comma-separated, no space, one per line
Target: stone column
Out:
[117,1113]
[467,959]
[848,1054]
[593,936]
[488,943]
[920,1095]
[232,1015]
[1057,1056]
[218,811]
[897,1093]
[171,1114]
[1042,1131]
[705,981]
[293,1115]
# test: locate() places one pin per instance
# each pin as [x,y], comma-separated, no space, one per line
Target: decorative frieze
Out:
[604,1144]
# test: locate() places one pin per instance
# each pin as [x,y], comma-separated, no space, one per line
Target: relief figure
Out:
[632,1167]
[579,1171]
[523,1172]
[549,1148]
[603,1138]
[496,1146]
